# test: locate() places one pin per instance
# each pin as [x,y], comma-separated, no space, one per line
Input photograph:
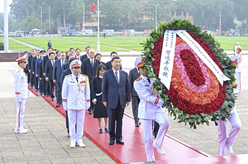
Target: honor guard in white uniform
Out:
[150,108]
[238,70]
[76,99]
[226,140]
[21,93]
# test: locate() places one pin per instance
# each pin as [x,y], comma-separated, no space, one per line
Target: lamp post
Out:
[6,27]
[98,39]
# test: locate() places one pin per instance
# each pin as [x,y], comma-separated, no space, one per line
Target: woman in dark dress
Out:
[100,111]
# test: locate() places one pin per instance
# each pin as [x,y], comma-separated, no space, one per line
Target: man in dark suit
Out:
[108,64]
[133,75]
[115,96]
[98,56]
[33,70]
[49,44]
[49,74]
[67,64]
[45,59]
[41,77]
[30,60]
[85,56]
[89,68]
[78,52]
[26,69]
[57,71]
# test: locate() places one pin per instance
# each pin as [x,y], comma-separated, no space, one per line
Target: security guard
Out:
[150,108]
[76,99]
[226,141]
[21,93]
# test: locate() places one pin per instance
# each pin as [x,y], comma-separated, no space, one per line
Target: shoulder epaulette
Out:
[68,75]
[84,75]
[138,79]
[19,70]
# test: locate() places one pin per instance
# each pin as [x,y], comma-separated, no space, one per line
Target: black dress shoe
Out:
[100,130]
[52,99]
[58,104]
[120,142]
[111,142]
[31,87]
[90,112]
[106,130]
[36,90]
[137,124]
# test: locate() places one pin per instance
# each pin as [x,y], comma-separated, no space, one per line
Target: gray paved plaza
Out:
[47,140]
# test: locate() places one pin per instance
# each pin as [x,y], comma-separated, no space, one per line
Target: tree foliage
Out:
[127,14]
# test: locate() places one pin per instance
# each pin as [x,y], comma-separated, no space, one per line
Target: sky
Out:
[2,5]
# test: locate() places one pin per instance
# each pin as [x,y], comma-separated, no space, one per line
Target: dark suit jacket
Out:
[65,66]
[49,44]
[64,73]
[82,58]
[49,70]
[108,65]
[33,64]
[86,68]
[45,59]
[103,63]
[57,71]
[111,90]
[30,59]
[133,75]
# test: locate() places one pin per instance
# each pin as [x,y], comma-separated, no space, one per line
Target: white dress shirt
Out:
[118,74]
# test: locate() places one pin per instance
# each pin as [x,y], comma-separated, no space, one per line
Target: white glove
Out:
[65,106]
[18,98]
[160,102]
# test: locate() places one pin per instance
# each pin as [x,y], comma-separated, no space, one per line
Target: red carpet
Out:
[232,159]
[134,149]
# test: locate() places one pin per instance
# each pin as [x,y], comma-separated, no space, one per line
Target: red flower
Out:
[195,75]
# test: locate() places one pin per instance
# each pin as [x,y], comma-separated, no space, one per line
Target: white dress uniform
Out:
[238,69]
[76,99]
[150,108]
[21,93]
[226,140]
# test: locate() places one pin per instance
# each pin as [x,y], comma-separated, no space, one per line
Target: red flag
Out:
[93,7]
[101,6]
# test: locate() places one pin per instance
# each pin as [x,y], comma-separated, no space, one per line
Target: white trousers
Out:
[238,77]
[222,130]
[162,120]
[20,109]
[76,117]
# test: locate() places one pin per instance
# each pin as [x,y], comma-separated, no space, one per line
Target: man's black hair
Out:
[113,53]
[116,57]
[51,53]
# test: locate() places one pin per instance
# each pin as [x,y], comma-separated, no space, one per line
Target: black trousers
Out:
[115,115]
[47,87]
[67,121]
[135,105]
[155,128]
[32,79]
[43,84]
[51,88]
[36,82]
[58,93]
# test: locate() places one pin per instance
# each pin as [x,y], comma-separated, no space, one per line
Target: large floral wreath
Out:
[195,95]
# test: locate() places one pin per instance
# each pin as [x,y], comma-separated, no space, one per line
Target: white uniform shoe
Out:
[160,150]
[80,143]
[229,148]
[73,144]
[22,131]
